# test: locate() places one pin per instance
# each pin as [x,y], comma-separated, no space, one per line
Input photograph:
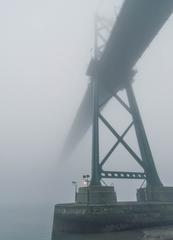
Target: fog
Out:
[45,50]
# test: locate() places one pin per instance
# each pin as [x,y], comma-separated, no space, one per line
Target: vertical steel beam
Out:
[101,25]
[95,171]
[150,169]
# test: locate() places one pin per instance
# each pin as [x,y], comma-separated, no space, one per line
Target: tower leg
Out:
[150,169]
[95,172]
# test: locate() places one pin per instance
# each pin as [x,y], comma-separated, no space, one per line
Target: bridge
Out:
[112,70]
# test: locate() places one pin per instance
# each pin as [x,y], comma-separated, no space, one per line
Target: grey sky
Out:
[45,49]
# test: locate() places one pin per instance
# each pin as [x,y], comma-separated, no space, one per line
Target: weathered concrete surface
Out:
[96,195]
[108,218]
[161,233]
[162,194]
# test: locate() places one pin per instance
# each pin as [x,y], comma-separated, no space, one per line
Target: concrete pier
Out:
[96,195]
[97,210]
[82,218]
[161,194]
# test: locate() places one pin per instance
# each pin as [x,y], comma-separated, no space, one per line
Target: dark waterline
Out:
[163,233]
[135,235]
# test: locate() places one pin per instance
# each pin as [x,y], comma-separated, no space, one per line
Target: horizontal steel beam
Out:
[123,175]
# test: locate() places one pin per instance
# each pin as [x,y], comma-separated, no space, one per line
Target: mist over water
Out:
[18,222]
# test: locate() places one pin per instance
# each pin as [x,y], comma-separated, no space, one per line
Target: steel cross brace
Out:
[102,26]
[120,139]
[115,145]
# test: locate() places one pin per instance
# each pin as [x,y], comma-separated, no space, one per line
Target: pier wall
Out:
[107,218]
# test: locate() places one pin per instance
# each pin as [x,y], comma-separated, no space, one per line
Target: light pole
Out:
[75,187]
[87,181]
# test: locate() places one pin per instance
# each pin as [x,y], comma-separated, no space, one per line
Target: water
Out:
[35,223]
[26,222]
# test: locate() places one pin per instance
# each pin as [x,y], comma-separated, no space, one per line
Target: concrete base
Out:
[96,195]
[84,218]
[160,194]
[97,210]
